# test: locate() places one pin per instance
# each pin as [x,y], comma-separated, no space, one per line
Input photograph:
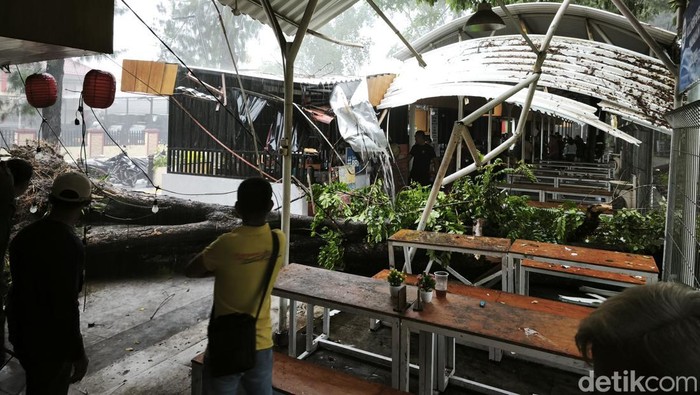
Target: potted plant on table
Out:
[395,279]
[426,284]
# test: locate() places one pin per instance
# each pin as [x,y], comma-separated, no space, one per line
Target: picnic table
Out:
[641,266]
[464,244]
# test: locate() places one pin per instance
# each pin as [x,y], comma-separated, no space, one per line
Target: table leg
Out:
[407,260]
[508,275]
[445,361]
[426,358]
[309,328]
[292,347]
[400,346]
[392,261]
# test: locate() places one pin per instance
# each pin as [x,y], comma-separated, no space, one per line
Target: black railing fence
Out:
[218,163]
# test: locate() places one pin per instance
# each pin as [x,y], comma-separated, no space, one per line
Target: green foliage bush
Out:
[458,207]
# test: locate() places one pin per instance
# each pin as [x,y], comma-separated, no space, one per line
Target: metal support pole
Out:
[289,52]
[653,45]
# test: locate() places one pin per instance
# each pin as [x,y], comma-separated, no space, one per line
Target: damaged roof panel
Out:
[547,103]
[635,86]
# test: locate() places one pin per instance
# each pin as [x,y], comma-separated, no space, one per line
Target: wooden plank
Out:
[294,376]
[494,296]
[128,75]
[584,272]
[155,77]
[591,256]
[438,239]
[503,322]
[143,70]
[347,292]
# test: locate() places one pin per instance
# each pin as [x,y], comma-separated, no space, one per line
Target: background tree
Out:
[192,30]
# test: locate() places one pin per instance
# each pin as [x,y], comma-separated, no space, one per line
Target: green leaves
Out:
[457,209]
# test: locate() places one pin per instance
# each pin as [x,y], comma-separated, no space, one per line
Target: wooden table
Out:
[544,330]
[464,244]
[348,293]
[643,266]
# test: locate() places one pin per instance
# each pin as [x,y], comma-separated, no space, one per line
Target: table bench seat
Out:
[568,271]
[295,377]
[561,190]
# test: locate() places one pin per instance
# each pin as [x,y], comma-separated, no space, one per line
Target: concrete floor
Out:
[140,336]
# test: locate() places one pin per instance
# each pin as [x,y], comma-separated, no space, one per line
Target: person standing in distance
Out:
[46,262]
[239,260]
[423,155]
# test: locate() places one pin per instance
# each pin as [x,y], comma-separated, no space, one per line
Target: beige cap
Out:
[71,187]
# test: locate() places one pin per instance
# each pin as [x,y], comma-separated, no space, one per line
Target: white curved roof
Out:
[634,86]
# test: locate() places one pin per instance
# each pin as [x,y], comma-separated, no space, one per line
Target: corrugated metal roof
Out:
[291,12]
[579,22]
[555,105]
[637,87]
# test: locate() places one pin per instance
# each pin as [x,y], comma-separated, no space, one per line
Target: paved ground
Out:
[141,334]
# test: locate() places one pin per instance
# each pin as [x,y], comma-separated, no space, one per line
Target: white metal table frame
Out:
[523,283]
[462,250]
[429,377]
[399,339]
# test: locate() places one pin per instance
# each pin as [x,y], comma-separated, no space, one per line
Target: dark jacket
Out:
[46,262]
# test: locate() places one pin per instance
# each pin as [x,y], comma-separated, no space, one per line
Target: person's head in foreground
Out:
[653,330]
[21,174]
[70,192]
[254,201]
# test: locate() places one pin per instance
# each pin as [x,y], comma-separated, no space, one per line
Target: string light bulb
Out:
[34,208]
[154,208]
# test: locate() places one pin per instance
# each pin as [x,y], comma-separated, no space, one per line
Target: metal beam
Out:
[660,53]
[396,31]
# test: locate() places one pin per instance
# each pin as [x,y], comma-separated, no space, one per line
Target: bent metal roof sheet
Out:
[634,86]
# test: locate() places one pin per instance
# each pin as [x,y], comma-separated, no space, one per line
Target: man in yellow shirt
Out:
[238,260]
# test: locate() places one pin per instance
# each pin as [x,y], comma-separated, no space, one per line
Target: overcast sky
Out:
[133,40]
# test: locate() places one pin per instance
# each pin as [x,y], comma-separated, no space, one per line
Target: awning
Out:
[554,105]
[636,87]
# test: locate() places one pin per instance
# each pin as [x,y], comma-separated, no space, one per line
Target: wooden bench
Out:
[542,190]
[558,259]
[294,376]
[553,269]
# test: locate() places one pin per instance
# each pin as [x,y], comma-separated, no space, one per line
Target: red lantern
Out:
[41,90]
[99,88]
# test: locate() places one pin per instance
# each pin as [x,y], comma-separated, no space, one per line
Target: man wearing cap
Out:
[46,262]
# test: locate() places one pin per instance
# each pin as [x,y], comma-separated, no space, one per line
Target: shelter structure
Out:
[564,52]
[597,76]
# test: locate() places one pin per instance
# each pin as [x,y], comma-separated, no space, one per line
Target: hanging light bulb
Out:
[154,208]
[34,208]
